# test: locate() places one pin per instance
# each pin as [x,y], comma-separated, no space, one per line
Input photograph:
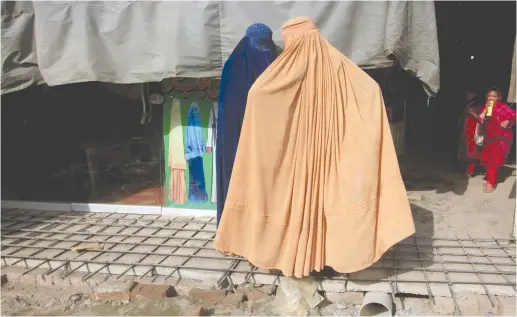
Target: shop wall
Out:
[184,189]
[83,143]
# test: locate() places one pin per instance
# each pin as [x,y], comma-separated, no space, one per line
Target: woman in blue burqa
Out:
[254,53]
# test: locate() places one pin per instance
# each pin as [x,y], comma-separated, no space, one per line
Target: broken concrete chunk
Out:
[111,291]
[297,297]
[153,291]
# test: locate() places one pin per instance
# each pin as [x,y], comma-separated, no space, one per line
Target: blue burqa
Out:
[254,53]
[194,150]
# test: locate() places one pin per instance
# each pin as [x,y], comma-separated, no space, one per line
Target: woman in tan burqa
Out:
[316,180]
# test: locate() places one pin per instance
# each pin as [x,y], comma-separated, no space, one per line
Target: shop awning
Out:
[141,41]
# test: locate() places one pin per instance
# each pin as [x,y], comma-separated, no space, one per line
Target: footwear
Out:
[488,188]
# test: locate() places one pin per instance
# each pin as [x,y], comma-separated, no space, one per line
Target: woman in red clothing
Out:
[496,119]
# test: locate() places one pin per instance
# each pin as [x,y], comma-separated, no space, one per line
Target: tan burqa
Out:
[316,180]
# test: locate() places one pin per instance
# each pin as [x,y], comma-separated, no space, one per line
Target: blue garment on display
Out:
[254,53]
[197,187]
[195,143]
[194,150]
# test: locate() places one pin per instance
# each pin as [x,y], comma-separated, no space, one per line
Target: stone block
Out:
[207,294]
[184,285]
[153,291]
[113,291]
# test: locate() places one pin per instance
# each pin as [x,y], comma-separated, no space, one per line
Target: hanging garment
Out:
[195,148]
[316,180]
[211,147]
[197,186]
[210,140]
[254,53]
[195,144]
[176,159]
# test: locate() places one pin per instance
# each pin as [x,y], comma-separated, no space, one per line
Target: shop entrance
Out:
[83,144]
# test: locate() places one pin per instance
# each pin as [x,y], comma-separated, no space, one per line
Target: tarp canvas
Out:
[66,42]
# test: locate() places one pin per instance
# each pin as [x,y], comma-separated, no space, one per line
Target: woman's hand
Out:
[505,124]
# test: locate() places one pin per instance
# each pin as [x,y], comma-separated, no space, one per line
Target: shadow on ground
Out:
[404,257]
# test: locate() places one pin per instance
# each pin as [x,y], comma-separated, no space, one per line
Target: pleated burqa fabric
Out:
[254,53]
[316,180]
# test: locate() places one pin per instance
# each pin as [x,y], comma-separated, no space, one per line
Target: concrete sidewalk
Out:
[179,247]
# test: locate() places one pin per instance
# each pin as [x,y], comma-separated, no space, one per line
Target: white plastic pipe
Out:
[376,304]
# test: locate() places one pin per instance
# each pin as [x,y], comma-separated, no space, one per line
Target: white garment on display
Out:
[211,147]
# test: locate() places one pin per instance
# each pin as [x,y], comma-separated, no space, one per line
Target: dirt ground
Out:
[24,300]
[20,300]
[446,203]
